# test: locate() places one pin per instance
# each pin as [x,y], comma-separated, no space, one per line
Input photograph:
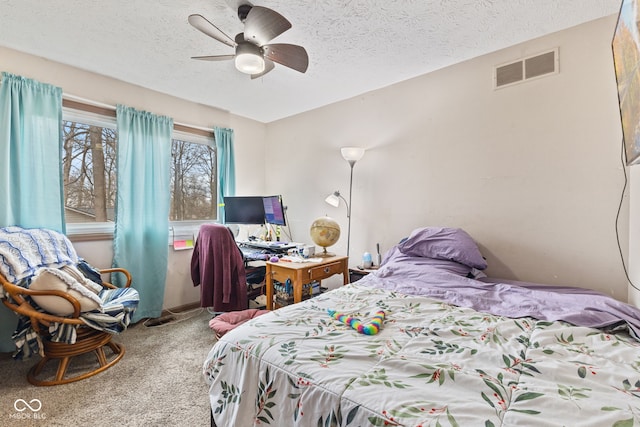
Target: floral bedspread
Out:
[431,364]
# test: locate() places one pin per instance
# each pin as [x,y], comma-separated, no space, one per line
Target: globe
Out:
[325,232]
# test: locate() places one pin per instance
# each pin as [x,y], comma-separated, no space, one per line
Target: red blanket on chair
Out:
[218,268]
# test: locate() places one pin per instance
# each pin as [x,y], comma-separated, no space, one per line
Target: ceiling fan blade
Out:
[201,23]
[263,25]
[214,57]
[268,66]
[289,55]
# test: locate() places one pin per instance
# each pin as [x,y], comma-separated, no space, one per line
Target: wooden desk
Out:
[301,273]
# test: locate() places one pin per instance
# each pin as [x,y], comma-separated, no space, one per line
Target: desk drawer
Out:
[324,271]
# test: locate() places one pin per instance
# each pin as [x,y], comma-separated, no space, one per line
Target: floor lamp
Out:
[351,155]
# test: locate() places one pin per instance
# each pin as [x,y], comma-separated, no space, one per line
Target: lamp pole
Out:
[351,164]
[351,155]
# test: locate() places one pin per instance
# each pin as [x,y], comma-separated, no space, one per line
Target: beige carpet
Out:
[157,383]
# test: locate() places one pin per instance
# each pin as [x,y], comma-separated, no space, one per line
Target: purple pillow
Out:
[394,256]
[444,243]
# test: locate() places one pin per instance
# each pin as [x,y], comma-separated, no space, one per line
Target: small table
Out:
[301,273]
[356,274]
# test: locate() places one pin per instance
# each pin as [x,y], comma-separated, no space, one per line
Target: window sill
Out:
[90,228]
[83,232]
[93,237]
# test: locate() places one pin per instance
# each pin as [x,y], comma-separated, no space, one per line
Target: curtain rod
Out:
[113,107]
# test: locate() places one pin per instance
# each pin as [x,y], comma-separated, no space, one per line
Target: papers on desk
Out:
[289,258]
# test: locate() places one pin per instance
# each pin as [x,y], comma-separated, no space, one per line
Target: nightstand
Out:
[356,274]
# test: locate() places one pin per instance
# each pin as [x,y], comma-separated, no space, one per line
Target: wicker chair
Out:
[88,339]
[64,308]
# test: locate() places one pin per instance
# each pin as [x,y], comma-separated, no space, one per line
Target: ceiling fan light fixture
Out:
[249,59]
[249,63]
[254,54]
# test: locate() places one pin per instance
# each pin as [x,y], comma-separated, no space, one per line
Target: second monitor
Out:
[274,210]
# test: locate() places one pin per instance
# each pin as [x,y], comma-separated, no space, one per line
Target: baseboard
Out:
[180,309]
[169,315]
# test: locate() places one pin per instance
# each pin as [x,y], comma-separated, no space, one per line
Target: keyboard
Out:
[274,246]
[254,254]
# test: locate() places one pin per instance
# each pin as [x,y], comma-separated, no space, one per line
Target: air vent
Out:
[524,69]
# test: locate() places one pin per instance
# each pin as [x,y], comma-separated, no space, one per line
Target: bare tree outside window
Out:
[89,172]
[193,183]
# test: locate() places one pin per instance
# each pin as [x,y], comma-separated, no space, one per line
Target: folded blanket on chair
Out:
[114,314]
[24,250]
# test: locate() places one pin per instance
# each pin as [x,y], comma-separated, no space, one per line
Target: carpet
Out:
[158,382]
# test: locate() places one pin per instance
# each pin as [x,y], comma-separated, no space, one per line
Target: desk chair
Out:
[226,281]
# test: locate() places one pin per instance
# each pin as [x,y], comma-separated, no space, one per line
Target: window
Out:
[89,167]
[193,178]
[89,173]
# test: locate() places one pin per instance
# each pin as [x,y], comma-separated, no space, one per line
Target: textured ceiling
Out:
[354,46]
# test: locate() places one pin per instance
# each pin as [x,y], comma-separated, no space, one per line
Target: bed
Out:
[455,348]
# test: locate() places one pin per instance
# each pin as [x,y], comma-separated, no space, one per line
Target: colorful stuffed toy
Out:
[371,328]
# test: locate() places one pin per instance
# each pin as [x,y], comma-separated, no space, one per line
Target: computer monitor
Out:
[243,210]
[274,210]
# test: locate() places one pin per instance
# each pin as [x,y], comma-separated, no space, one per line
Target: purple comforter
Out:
[444,281]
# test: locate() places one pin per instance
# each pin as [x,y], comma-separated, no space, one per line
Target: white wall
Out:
[532,171]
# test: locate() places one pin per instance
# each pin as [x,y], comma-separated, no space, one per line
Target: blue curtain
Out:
[30,158]
[30,164]
[226,167]
[142,209]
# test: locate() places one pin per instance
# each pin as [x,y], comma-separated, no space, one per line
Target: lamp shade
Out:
[352,154]
[333,199]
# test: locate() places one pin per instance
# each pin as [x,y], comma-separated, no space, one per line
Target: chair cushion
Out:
[66,279]
[228,321]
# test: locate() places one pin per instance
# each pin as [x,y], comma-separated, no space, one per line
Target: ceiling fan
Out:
[253,54]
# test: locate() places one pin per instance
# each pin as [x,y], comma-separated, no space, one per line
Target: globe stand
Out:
[324,253]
